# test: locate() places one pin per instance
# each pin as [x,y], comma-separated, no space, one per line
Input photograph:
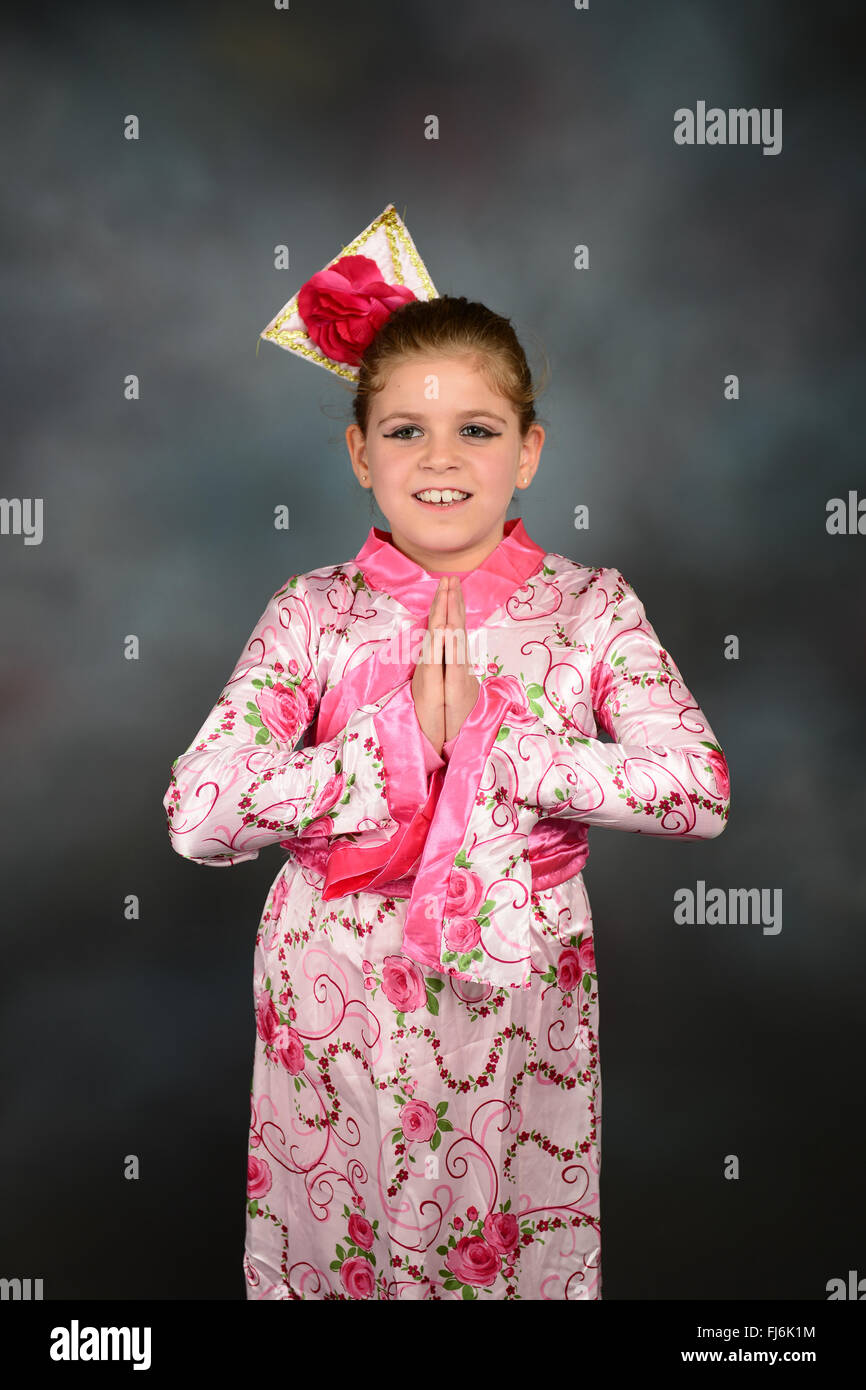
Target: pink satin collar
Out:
[485,588]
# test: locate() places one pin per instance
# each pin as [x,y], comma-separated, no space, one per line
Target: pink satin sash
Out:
[557,849]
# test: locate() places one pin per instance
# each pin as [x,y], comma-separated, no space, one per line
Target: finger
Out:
[461,613]
[436,622]
[458,644]
[448,634]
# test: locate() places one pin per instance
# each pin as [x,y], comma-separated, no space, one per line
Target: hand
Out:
[443,687]
[461,687]
[428,680]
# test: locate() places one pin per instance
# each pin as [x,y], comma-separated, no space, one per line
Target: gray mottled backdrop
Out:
[156,257]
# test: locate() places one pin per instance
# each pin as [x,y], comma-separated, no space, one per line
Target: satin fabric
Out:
[425,1106]
[557,850]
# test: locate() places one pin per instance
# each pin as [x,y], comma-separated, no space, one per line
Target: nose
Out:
[440,457]
[441,450]
[437,467]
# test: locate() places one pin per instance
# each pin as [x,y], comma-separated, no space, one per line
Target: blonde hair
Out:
[449,326]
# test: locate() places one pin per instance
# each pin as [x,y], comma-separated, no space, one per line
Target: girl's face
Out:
[437,424]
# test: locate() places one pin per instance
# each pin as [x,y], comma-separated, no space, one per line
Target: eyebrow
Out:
[463,414]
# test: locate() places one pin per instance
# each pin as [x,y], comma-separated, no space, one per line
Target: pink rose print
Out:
[267,1018]
[279,897]
[344,306]
[316,830]
[360,1231]
[258,1177]
[473,1261]
[330,794]
[290,1048]
[586,954]
[569,970]
[602,682]
[307,693]
[358,1278]
[462,933]
[281,712]
[719,766]
[519,713]
[501,1231]
[418,1120]
[403,984]
[465,893]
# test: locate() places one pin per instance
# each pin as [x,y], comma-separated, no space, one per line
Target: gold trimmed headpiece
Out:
[338,312]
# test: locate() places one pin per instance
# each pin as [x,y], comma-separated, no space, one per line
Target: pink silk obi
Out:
[416,861]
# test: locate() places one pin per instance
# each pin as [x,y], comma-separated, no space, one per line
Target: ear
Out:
[357,446]
[530,453]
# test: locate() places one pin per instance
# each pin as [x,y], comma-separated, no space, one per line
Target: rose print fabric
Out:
[425,1117]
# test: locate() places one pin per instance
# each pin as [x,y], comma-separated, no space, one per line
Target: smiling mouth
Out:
[443,498]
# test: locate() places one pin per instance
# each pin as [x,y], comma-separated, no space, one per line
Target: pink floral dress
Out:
[425,1118]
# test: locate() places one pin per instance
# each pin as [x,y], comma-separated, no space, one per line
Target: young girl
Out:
[425,1103]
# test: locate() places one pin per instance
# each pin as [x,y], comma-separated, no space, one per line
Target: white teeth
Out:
[441,495]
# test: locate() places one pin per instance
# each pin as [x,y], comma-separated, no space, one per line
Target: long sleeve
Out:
[240,786]
[663,774]
[527,753]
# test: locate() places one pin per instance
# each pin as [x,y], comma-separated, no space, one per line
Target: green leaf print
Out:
[503,733]
[441,1107]
[469,1292]
[534,694]
[432,1003]
[460,860]
[263,736]
[435,1139]
[253,1208]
